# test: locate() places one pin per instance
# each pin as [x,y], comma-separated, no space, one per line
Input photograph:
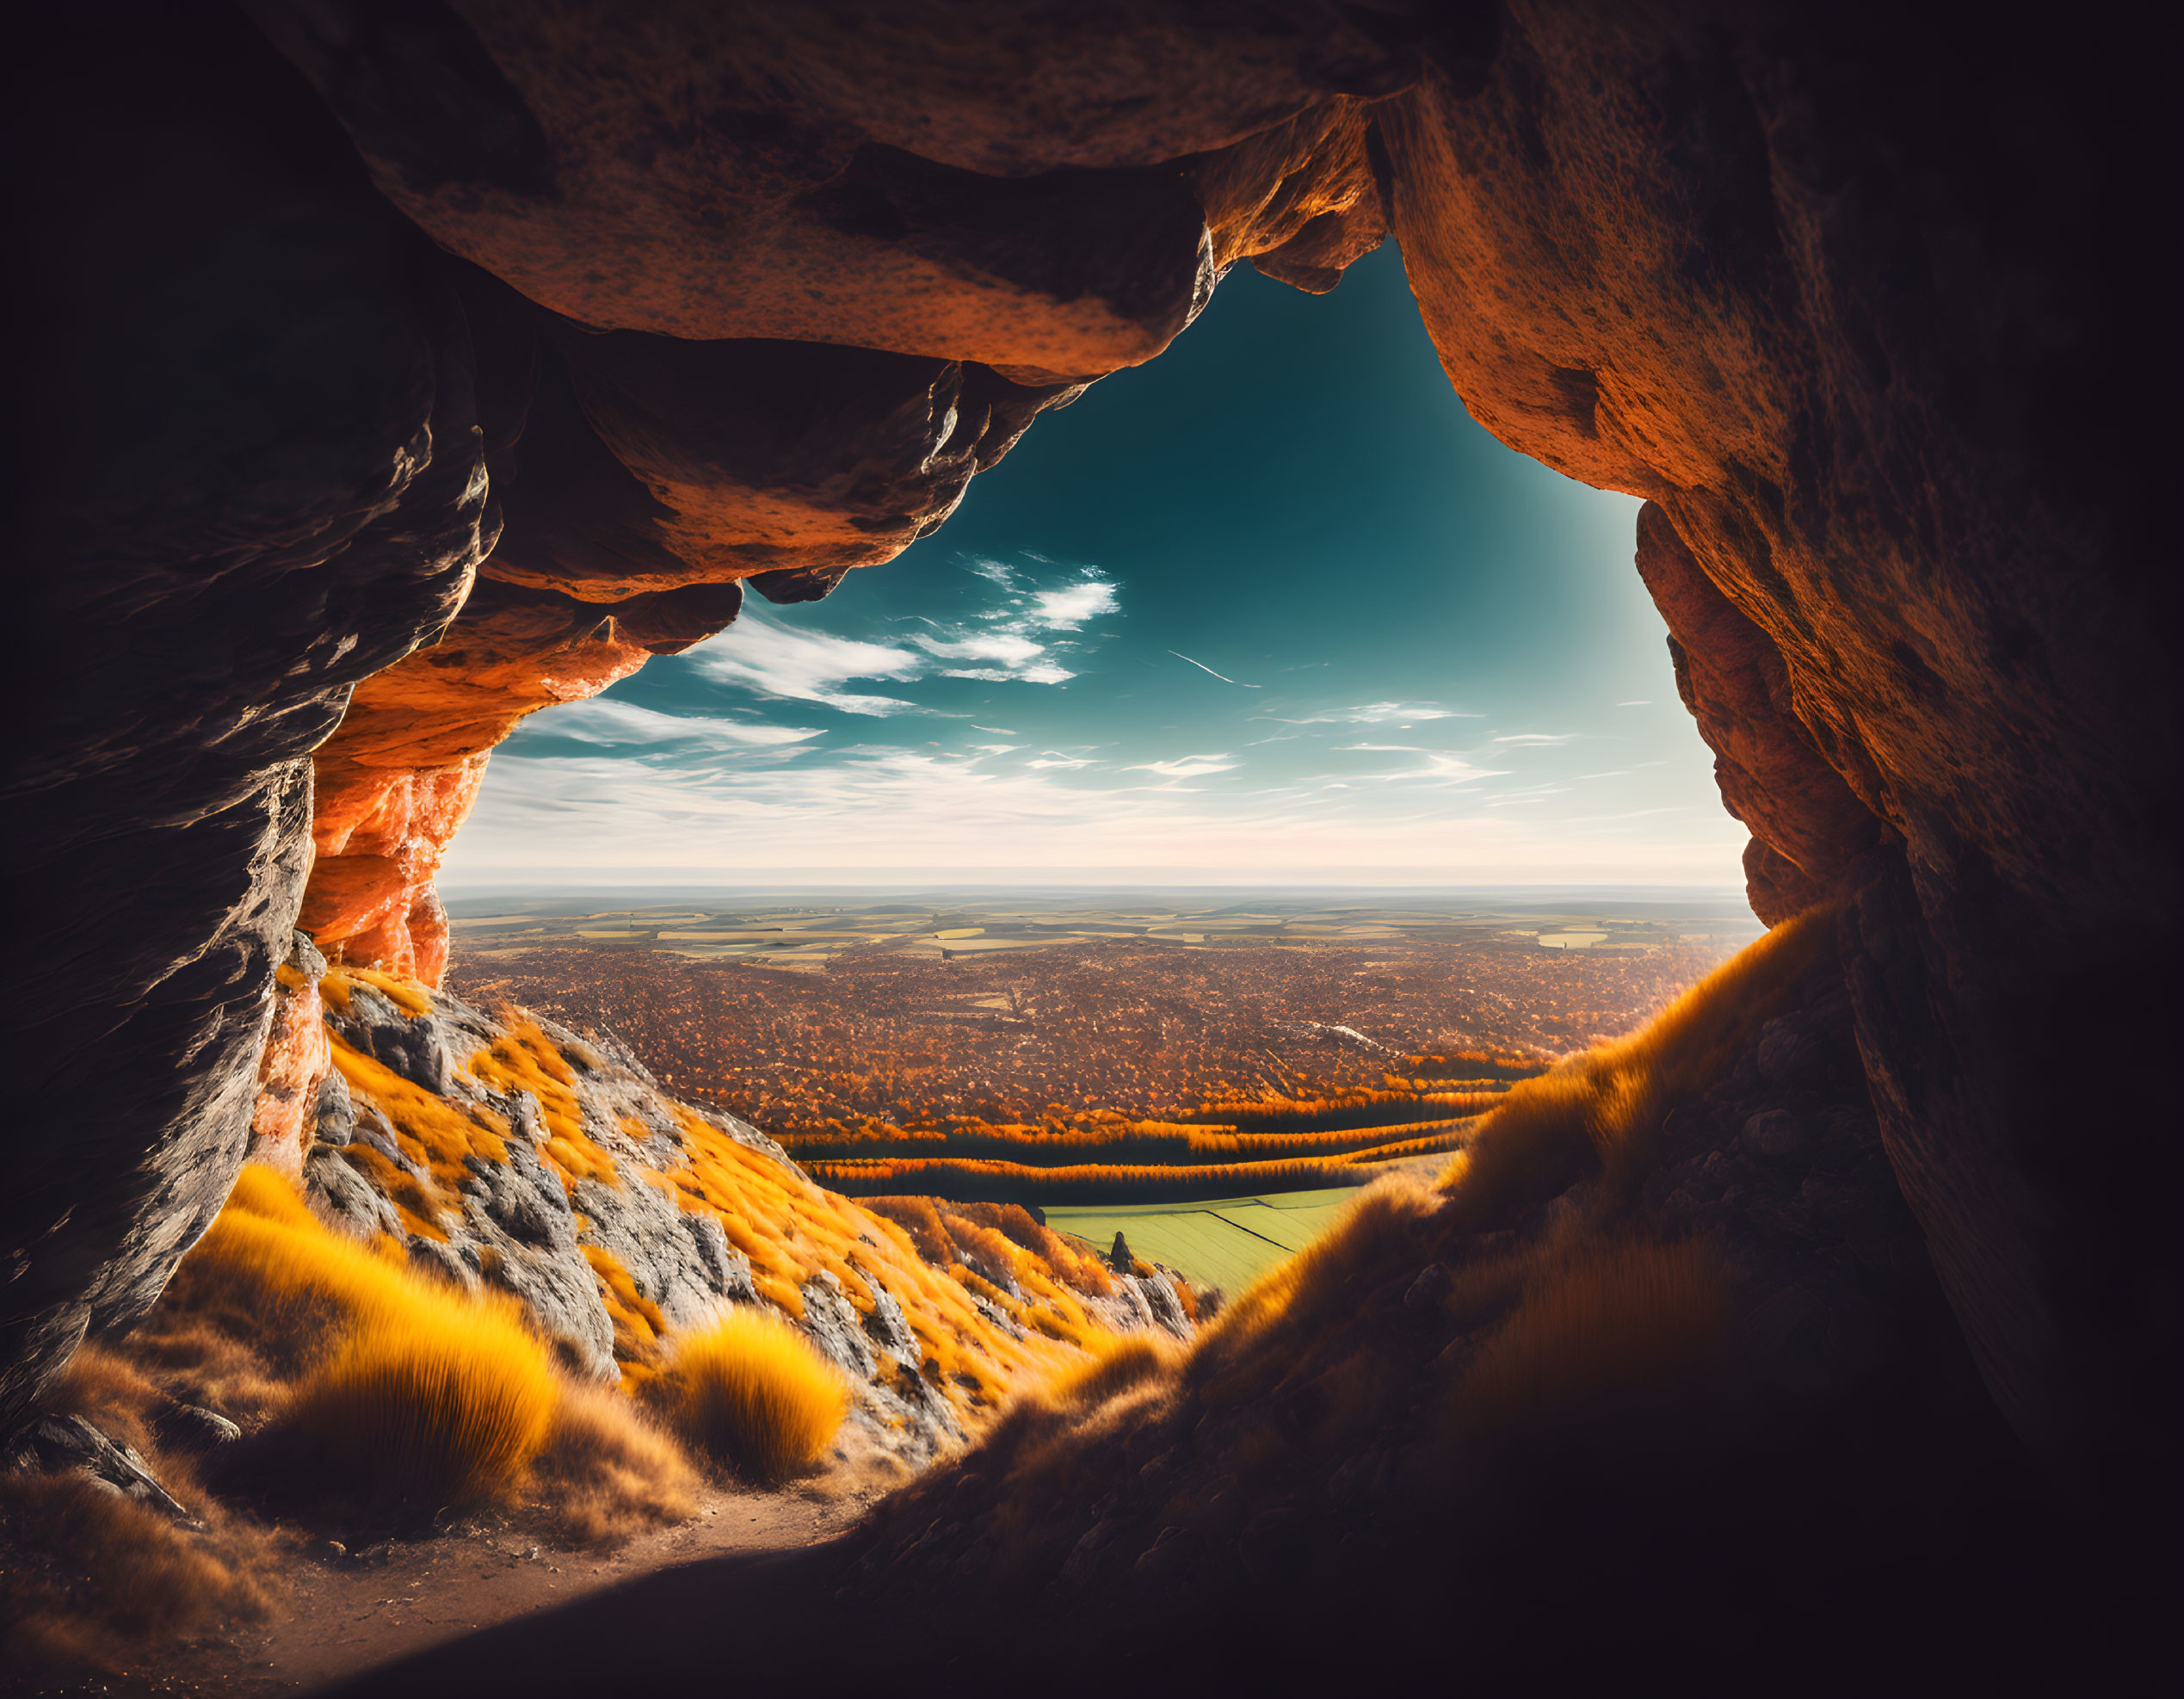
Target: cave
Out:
[387,371]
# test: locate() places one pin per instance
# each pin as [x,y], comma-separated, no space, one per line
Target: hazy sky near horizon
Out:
[1270,608]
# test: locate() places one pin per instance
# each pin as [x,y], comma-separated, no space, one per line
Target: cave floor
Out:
[335,1617]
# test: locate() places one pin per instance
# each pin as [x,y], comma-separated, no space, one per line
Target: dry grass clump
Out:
[1130,1361]
[918,1217]
[1073,1266]
[269,1271]
[1596,1115]
[101,1569]
[752,1392]
[942,1231]
[411,1393]
[88,1572]
[1605,1107]
[1610,1334]
[446,1416]
[605,1472]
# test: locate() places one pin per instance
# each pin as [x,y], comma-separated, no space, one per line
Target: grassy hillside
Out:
[509,1273]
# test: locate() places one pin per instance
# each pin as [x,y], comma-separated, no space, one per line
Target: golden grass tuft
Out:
[918,1217]
[751,1391]
[411,1393]
[124,1570]
[605,1472]
[1605,1107]
[442,1416]
[1126,1361]
[89,1573]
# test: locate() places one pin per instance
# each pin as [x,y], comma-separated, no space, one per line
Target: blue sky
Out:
[1271,609]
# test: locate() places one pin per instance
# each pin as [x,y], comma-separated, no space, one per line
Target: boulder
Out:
[53,1444]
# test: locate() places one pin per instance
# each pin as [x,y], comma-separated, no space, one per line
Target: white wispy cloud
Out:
[1187,766]
[795,665]
[1005,654]
[1019,639]
[1438,768]
[1537,738]
[602,720]
[1069,607]
[1377,714]
[888,810]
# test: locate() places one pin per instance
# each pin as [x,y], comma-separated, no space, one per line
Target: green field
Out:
[1226,1243]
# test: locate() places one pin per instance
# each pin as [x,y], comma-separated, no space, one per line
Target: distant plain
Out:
[964,1042]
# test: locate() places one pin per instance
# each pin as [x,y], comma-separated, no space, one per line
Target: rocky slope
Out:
[504,1150]
[606,317]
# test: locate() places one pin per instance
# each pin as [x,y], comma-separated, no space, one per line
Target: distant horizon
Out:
[672,884]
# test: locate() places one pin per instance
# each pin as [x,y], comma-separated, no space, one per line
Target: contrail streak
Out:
[1223,676]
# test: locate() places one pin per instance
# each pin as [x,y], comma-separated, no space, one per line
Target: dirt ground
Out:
[334,1615]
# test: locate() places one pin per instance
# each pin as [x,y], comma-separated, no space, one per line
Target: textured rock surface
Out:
[607,1207]
[296,1066]
[245,476]
[1761,272]
[641,479]
[400,775]
[982,180]
[1811,835]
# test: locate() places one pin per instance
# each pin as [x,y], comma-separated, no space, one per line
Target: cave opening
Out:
[1269,610]
[392,375]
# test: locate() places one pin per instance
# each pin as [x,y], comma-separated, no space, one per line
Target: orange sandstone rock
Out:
[1811,834]
[983,180]
[296,1062]
[401,773]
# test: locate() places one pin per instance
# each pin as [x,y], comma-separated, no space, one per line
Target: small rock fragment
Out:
[1772,1133]
[194,1427]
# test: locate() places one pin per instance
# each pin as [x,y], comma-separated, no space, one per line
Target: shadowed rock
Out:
[248,477]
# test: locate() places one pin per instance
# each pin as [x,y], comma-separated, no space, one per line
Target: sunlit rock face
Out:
[1763,272]
[505,1152]
[1811,837]
[402,772]
[717,292]
[984,181]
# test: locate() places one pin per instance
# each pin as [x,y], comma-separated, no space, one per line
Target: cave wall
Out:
[244,475]
[613,309]
[1838,291]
